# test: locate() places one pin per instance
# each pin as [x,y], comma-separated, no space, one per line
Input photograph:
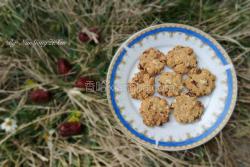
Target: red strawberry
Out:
[84,37]
[63,66]
[40,96]
[86,83]
[67,129]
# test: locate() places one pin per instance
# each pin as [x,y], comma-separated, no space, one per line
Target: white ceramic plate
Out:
[172,135]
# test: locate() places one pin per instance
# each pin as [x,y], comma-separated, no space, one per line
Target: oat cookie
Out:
[141,86]
[154,111]
[152,61]
[200,82]
[181,59]
[170,84]
[187,108]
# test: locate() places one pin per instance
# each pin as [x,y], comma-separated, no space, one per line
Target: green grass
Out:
[102,143]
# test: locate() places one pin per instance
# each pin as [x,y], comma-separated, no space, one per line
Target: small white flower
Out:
[50,139]
[9,125]
[51,132]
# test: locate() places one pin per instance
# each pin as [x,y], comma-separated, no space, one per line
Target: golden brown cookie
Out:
[152,61]
[170,84]
[181,59]
[200,82]
[141,86]
[154,111]
[187,108]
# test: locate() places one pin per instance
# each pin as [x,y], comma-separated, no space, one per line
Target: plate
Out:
[172,135]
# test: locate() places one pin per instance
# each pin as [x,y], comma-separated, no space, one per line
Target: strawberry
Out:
[84,37]
[63,66]
[85,83]
[67,129]
[40,96]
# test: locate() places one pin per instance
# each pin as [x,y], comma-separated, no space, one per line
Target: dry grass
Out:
[103,144]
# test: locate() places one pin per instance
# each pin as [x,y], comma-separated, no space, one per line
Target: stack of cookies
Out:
[185,83]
